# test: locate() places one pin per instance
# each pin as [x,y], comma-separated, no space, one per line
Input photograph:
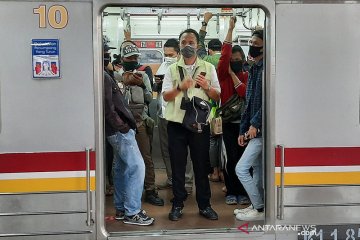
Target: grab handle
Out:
[89,220]
[280,195]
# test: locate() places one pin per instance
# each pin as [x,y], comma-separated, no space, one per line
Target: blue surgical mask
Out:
[188,51]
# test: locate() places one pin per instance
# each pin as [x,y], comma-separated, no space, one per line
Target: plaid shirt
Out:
[253,109]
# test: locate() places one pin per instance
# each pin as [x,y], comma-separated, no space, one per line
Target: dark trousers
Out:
[215,151]
[179,141]
[233,153]
[143,140]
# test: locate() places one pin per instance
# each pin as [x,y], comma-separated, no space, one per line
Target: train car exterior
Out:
[51,119]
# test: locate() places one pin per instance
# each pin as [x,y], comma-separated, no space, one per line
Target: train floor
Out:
[190,219]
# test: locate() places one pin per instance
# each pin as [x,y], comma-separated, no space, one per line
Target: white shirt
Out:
[161,104]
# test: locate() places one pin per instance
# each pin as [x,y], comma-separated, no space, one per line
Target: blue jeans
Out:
[252,157]
[128,172]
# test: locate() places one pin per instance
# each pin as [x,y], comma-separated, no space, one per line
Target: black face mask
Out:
[236,66]
[130,66]
[255,51]
[107,59]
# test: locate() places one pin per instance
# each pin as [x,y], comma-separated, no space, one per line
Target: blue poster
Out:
[45,58]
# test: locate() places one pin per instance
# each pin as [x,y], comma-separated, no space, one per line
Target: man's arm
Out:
[111,116]
[202,34]
[169,91]
[127,34]
[147,90]
[215,90]
[148,71]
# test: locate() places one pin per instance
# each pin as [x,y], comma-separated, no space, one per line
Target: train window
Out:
[150,56]
[149,28]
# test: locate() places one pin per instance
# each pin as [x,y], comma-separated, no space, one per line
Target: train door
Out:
[47,138]
[317,117]
[153,26]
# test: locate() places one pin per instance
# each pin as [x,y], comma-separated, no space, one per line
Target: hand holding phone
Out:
[202,74]
[159,78]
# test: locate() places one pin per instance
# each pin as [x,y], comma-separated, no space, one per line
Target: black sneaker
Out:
[153,198]
[209,213]
[175,213]
[120,215]
[139,219]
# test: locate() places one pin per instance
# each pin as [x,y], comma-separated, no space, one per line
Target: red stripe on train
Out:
[45,162]
[332,156]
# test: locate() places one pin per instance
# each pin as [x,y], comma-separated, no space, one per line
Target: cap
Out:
[107,48]
[129,50]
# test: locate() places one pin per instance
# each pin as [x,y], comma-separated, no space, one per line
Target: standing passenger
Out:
[232,81]
[129,168]
[179,137]
[129,55]
[212,56]
[250,129]
[172,54]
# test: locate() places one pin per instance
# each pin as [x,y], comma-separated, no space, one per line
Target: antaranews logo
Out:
[301,229]
[244,228]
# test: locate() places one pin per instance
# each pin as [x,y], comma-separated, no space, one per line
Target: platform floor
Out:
[191,218]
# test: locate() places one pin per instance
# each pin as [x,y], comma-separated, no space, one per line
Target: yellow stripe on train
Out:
[317,178]
[45,185]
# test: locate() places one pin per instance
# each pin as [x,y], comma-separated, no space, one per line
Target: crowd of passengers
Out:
[214,75]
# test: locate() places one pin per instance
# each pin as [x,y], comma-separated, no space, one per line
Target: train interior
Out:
[150,27]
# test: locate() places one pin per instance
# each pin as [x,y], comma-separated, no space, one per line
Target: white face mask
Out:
[170,60]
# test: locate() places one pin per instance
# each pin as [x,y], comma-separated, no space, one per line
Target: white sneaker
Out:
[243,210]
[250,215]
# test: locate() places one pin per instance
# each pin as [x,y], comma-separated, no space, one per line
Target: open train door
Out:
[47,135]
[317,118]
[241,229]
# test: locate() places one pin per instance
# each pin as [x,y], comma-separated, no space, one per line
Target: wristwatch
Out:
[204,24]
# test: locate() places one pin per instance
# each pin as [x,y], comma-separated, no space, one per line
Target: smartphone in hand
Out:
[202,74]
[160,76]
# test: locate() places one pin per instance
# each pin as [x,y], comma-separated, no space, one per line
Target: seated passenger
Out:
[180,138]
[129,168]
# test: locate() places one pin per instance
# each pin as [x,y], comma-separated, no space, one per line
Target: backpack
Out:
[134,96]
